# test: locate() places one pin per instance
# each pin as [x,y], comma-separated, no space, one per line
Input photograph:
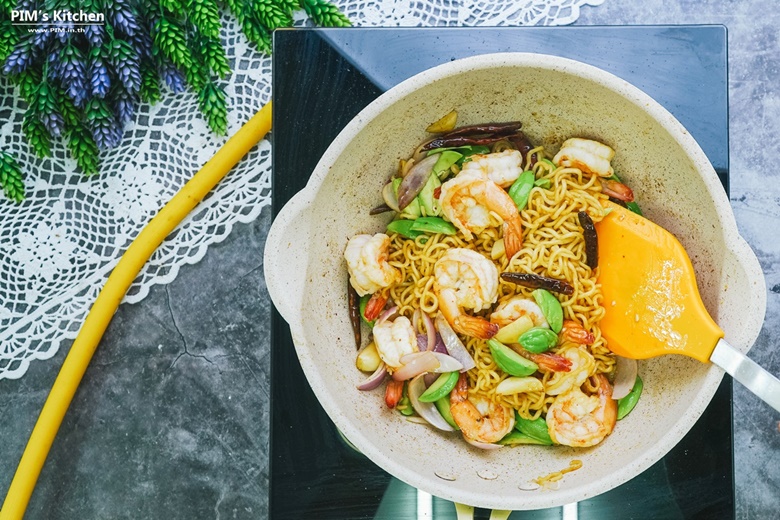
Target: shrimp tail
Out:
[617,190]
[610,405]
[393,393]
[513,236]
[475,327]
[576,333]
[460,393]
[375,305]
[548,361]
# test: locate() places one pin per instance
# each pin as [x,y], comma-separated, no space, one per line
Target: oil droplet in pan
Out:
[445,475]
[487,474]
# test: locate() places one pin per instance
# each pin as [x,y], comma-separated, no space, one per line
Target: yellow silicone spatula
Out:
[653,306]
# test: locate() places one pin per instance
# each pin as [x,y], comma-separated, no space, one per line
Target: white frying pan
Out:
[555,98]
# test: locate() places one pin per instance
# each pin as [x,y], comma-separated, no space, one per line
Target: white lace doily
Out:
[59,246]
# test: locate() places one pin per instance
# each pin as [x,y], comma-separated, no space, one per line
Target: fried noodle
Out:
[553,246]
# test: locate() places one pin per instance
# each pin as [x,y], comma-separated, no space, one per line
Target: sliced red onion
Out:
[625,377]
[415,180]
[447,363]
[388,194]
[430,329]
[386,315]
[440,347]
[454,346]
[416,320]
[483,445]
[375,379]
[416,364]
[427,411]
[408,358]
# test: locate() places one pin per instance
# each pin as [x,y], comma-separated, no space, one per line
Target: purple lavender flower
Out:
[53,122]
[55,65]
[173,78]
[40,39]
[125,106]
[106,132]
[63,30]
[123,17]
[77,88]
[99,80]
[142,43]
[19,59]
[103,124]
[130,75]
[94,34]
[126,64]
[73,74]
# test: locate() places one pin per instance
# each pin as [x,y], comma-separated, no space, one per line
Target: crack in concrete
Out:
[181,336]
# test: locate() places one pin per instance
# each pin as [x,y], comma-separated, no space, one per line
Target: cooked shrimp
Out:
[479,418]
[576,333]
[503,168]
[465,279]
[394,340]
[547,361]
[587,155]
[367,264]
[617,190]
[509,310]
[579,420]
[467,202]
[582,367]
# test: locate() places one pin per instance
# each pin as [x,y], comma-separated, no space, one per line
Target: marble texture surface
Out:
[171,420]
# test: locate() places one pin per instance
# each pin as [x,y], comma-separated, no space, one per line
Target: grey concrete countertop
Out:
[171,420]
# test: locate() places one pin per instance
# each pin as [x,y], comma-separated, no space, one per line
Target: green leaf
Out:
[36,133]
[173,6]
[214,56]
[28,82]
[197,74]
[11,177]
[150,83]
[204,14]
[9,37]
[213,105]
[83,149]
[271,15]
[171,40]
[70,113]
[325,13]
[98,109]
[289,6]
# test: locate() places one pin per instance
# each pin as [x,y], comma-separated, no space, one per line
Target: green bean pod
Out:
[521,189]
[433,225]
[404,228]
[534,428]
[516,438]
[551,308]
[627,403]
[538,340]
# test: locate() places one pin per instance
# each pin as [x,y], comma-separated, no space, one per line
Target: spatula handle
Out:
[748,372]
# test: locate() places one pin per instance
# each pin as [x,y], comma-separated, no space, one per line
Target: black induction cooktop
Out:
[324,77]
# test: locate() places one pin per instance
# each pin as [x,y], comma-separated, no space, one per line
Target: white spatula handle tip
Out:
[748,372]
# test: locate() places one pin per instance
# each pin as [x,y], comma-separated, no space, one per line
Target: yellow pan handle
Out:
[108,300]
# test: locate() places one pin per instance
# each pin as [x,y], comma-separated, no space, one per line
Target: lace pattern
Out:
[59,246]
